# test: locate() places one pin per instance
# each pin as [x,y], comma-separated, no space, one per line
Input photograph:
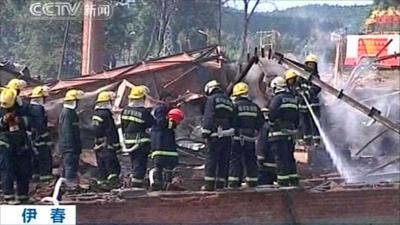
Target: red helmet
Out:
[176,115]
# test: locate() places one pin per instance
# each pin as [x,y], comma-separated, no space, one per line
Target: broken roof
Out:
[120,73]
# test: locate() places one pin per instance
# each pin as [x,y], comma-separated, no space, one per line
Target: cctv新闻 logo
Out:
[95,9]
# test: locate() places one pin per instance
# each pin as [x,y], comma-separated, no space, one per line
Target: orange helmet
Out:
[176,115]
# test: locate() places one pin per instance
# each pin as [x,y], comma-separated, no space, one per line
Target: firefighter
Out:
[313,98]
[18,85]
[247,122]
[161,143]
[291,77]
[283,119]
[217,129]
[136,121]
[164,153]
[15,150]
[106,141]
[40,135]
[69,142]
[294,83]
[265,155]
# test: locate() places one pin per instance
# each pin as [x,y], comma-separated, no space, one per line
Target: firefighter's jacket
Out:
[284,115]
[310,91]
[38,121]
[14,125]
[134,122]
[68,131]
[218,115]
[106,132]
[248,119]
[162,134]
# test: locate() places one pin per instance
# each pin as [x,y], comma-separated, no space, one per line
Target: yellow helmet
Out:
[8,98]
[311,58]
[146,89]
[291,73]
[40,91]
[240,88]
[210,86]
[16,84]
[138,92]
[278,82]
[73,95]
[105,96]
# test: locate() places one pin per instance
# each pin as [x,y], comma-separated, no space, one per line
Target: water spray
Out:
[340,165]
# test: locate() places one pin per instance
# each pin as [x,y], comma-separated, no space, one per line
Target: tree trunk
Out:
[163,23]
[246,22]
[152,37]
[245,29]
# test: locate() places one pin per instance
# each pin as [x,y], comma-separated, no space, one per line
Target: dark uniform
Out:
[307,124]
[15,153]
[69,144]
[217,128]
[106,145]
[284,118]
[163,147]
[265,157]
[135,121]
[41,141]
[247,122]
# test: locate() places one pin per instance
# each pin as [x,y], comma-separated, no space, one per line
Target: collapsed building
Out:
[356,180]
[184,75]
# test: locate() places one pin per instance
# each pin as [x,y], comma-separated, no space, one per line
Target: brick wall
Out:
[265,207]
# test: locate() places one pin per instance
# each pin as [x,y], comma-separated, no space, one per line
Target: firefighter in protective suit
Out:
[310,92]
[136,121]
[163,144]
[15,150]
[69,142]
[18,85]
[265,155]
[312,62]
[164,152]
[40,135]
[247,122]
[106,140]
[283,120]
[218,130]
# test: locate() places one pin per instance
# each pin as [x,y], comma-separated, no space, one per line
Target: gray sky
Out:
[270,5]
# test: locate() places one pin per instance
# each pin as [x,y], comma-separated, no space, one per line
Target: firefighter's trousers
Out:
[107,163]
[266,165]
[163,167]
[243,157]
[43,161]
[70,162]
[286,164]
[217,162]
[139,158]
[15,168]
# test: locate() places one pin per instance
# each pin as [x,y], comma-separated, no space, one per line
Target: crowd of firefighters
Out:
[246,143]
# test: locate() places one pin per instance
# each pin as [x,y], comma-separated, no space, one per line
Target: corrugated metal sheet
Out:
[120,73]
